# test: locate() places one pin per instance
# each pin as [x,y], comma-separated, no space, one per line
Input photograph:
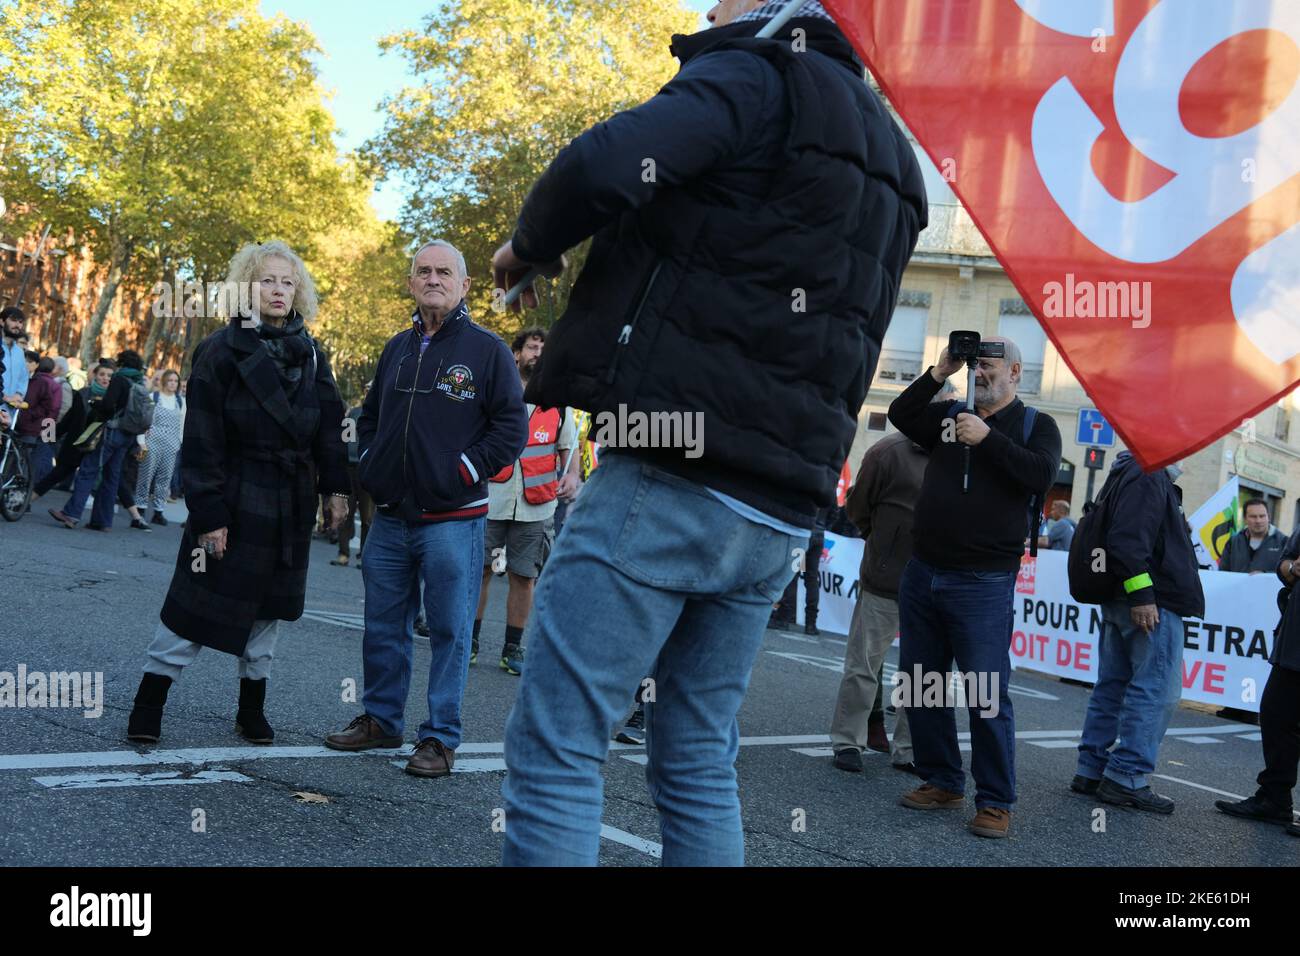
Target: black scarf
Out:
[290,347]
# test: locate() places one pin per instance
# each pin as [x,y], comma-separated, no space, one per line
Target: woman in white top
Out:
[163,440]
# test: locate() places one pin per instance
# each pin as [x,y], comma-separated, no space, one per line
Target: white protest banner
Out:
[1225,653]
[1214,523]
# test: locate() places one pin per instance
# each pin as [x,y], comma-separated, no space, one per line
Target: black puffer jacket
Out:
[752,221]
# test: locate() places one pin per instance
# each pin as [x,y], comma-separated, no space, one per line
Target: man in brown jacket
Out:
[880,504]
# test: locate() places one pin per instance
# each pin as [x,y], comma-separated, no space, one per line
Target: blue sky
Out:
[352,68]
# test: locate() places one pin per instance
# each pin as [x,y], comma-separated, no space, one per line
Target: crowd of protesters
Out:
[111,432]
[466,453]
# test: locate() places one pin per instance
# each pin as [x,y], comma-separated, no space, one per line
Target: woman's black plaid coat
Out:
[253,463]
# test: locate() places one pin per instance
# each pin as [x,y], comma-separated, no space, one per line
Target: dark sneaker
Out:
[140,525]
[421,626]
[1293,829]
[633,731]
[473,652]
[926,797]
[1108,791]
[907,768]
[848,759]
[1085,785]
[96,527]
[364,733]
[158,519]
[1255,808]
[512,660]
[431,759]
[992,822]
[811,630]
[778,622]
[341,561]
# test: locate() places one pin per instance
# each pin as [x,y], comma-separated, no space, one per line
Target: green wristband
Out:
[1137,583]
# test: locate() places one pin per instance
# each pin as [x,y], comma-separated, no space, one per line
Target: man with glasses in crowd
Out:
[445,413]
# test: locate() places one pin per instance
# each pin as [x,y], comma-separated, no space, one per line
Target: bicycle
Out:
[15,476]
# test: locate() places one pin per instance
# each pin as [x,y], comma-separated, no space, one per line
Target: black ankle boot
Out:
[145,723]
[250,722]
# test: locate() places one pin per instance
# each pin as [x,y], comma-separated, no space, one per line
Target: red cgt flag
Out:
[1133,164]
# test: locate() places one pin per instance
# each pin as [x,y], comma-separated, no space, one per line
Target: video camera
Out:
[966,347]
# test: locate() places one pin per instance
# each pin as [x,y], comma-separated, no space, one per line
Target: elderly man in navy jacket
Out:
[751,224]
[445,412]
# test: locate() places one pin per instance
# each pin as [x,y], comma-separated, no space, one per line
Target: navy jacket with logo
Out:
[436,426]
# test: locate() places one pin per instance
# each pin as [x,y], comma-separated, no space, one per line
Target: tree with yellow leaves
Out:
[166,133]
[507,84]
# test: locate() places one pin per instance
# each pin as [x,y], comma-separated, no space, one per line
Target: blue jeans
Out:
[966,616]
[447,557]
[40,457]
[108,464]
[1139,684]
[653,577]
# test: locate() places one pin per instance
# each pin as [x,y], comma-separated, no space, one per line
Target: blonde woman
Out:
[262,438]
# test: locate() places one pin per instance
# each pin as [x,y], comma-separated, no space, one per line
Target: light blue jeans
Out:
[652,577]
[1139,684]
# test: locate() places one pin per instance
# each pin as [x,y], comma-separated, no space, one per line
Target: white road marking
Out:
[1254,736]
[837,667]
[484,765]
[825,663]
[204,755]
[615,835]
[1201,786]
[90,781]
[1200,739]
[796,637]
[642,759]
[1053,744]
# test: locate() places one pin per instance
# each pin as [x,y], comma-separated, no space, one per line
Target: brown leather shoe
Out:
[926,797]
[991,822]
[364,733]
[61,518]
[877,739]
[431,759]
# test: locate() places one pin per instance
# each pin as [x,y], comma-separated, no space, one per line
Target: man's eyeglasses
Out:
[412,387]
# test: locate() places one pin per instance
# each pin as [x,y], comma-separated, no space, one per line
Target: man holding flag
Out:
[751,223]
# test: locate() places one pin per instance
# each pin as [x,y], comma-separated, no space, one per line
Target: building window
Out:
[1282,422]
[876,421]
[1028,335]
[903,350]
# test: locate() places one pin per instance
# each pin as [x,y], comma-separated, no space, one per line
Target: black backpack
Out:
[1034,514]
[1087,584]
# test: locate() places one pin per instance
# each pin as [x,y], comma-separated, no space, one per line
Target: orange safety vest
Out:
[540,459]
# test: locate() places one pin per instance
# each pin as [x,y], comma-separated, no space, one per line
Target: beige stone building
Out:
[954,282]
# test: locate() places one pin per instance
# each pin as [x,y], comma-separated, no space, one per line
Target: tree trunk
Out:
[160,319]
[90,334]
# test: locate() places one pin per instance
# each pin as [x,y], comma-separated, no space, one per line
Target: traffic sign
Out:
[1094,429]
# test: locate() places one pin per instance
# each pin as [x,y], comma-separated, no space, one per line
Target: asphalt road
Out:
[73,791]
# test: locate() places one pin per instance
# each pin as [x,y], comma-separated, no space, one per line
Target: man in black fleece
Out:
[955,597]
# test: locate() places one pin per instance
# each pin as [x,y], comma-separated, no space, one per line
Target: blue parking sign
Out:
[1094,429]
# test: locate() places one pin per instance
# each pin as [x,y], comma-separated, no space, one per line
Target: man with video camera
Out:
[955,597]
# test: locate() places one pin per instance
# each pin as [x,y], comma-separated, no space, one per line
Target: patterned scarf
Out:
[289,347]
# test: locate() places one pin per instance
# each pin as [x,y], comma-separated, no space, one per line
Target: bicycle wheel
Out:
[15,481]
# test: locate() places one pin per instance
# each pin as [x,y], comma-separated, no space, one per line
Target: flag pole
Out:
[781,19]
[773,25]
